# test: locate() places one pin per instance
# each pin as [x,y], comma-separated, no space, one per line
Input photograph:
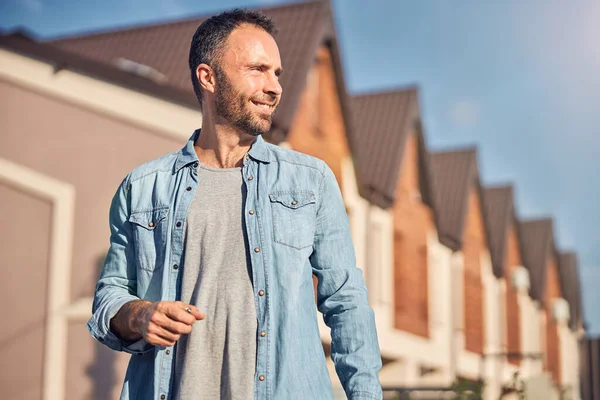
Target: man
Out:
[208,279]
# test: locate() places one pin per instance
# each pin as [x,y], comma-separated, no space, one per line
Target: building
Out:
[460,287]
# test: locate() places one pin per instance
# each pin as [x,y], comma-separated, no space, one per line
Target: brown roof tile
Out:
[303,27]
[537,244]
[499,213]
[453,173]
[570,284]
[381,123]
[20,43]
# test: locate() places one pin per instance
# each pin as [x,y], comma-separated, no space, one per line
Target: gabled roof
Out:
[22,43]
[453,173]
[381,123]
[303,27]
[537,244]
[569,277]
[499,213]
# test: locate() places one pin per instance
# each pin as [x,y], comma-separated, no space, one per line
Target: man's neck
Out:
[221,145]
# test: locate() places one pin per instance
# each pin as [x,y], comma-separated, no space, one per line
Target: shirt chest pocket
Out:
[293,214]
[150,237]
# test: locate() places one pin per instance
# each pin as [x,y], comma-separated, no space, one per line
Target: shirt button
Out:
[168,352]
[250,178]
[175,266]
[294,202]
[150,224]
[247,158]
[178,224]
[262,334]
[256,250]
[188,188]
[261,378]
[163,397]
[251,212]
[261,292]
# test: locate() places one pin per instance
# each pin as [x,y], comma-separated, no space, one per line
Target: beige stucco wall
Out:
[78,146]
[80,136]
[25,247]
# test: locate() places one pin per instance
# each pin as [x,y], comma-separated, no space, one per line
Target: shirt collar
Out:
[260,151]
[187,155]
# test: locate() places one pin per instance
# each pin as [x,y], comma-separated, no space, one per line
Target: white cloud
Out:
[465,113]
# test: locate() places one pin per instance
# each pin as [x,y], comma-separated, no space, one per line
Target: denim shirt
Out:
[296,226]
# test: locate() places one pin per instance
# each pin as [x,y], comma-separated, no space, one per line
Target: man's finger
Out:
[190,309]
[167,335]
[173,326]
[181,314]
[158,330]
[159,341]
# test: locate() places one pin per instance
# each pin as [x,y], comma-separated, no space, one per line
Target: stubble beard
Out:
[232,106]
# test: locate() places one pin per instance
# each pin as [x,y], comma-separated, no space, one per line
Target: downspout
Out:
[453,328]
[368,256]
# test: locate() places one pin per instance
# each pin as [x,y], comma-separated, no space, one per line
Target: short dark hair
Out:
[207,42]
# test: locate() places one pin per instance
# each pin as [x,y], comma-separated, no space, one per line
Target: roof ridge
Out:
[569,253]
[386,91]
[173,22]
[499,186]
[107,72]
[536,220]
[471,149]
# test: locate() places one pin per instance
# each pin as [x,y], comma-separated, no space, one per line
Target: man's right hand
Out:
[161,323]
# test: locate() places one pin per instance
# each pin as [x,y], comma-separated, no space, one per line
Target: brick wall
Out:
[513,313]
[412,222]
[552,341]
[318,128]
[473,247]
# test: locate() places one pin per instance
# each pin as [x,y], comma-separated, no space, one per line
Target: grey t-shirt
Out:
[218,359]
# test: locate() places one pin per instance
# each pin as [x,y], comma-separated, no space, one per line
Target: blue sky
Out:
[519,79]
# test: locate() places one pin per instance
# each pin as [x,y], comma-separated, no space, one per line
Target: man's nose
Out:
[273,87]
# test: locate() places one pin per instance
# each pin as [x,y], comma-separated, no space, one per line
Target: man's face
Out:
[248,90]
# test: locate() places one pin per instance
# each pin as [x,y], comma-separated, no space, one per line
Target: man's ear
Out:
[206,78]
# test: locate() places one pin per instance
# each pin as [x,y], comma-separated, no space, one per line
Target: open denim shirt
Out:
[296,226]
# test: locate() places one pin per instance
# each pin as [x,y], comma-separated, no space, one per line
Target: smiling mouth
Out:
[264,106]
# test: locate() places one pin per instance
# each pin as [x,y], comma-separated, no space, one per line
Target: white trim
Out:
[543,345]
[471,365]
[503,328]
[161,116]
[358,215]
[79,310]
[569,361]
[380,258]
[62,196]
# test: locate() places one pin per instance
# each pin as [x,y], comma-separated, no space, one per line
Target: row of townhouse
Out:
[461,288]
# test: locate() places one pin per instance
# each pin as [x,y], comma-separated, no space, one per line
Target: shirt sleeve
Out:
[117,283]
[342,297]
